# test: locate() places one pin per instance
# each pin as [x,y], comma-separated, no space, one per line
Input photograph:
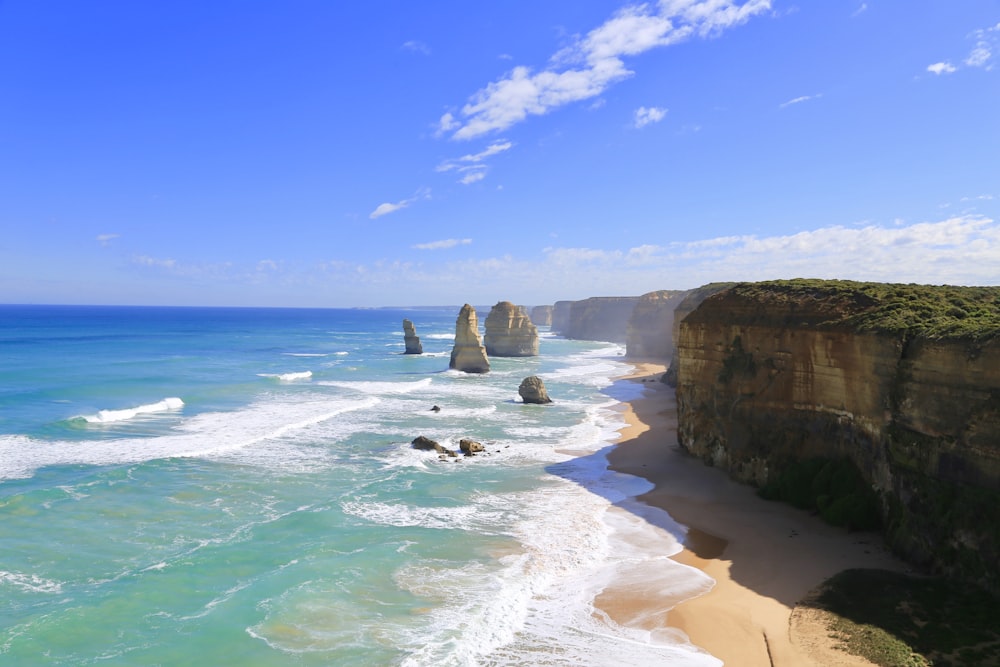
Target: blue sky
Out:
[309,153]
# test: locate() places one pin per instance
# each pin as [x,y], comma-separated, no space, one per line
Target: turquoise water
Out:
[236,487]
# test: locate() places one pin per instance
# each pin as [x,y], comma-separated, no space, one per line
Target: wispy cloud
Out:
[800,100]
[471,166]
[981,55]
[154,262]
[862,8]
[106,239]
[442,245]
[417,46]
[388,207]
[593,62]
[646,115]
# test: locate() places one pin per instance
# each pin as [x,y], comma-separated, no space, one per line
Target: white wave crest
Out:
[30,582]
[380,387]
[288,377]
[110,416]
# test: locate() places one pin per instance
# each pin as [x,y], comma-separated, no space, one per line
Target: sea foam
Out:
[111,416]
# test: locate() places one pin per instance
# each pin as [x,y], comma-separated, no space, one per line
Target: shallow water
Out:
[236,486]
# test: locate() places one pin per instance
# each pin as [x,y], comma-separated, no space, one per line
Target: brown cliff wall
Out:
[560,316]
[649,331]
[542,316]
[774,373]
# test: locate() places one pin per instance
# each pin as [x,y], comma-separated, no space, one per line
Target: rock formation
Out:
[901,380]
[468,354]
[532,390]
[509,332]
[470,447]
[649,331]
[691,300]
[542,316]
[411,339]
[424,443]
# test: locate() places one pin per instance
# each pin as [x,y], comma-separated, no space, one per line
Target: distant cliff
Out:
[649,332]
[902,380]
[541,316]
[603,318]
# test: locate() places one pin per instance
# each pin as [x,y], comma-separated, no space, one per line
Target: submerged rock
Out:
[426,444]
[412,341]
[532,390]
[468,355]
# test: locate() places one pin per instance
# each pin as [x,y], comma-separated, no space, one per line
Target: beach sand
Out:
[764,556]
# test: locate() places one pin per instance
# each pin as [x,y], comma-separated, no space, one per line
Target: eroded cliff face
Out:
[770,375]
[603,318]
[560,316]
[510,332]
[649,332]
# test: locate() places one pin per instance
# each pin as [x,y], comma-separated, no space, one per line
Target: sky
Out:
[316,153]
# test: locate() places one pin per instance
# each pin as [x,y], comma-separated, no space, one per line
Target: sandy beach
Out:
[764,556]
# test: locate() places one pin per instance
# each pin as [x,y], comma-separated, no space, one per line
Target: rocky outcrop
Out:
[901,380]
[603,318]
[468,354]
[510,332]
[410,339]
[542,316]
[649,331]
[692,299]
[532,390]
[470,447]
[426,444]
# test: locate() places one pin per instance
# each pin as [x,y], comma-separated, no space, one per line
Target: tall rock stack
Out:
[510,333]
[410,338]
[468,355]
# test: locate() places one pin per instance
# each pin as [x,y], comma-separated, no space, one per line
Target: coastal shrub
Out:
[834,489]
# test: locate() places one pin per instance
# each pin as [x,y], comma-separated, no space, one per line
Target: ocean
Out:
[236,486]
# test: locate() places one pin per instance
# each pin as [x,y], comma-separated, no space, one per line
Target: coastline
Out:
[764,556]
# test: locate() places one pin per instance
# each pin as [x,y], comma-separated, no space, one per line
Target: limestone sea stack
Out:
[412,341]
[510,332]
[532,390]
[468,355]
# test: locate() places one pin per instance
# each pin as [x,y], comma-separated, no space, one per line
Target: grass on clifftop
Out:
[926,311]
[895,620]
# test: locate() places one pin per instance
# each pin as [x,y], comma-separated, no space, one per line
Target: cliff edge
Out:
[901,380]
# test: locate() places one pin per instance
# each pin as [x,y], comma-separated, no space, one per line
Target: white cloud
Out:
[417,47]
[473,176]
[799,100]
[941,68]
[980,55]
[267,265]
[592,63]
[471,166]
[646,115]
[106,239]
[388,207]
[442,245]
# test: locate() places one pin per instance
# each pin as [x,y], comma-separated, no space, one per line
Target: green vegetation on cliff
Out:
[895,620]
[925,311]
[834,489]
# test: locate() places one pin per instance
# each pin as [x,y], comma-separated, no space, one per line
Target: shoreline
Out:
[764,556]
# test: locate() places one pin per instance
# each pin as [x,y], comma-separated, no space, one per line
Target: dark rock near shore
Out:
[532,390]
[426,444]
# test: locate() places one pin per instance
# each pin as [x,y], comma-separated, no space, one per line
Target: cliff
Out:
[542,316]
[468,354]
[510,332]
[602,318]
[649,332]
[901,380]
[560,316]
[692,299]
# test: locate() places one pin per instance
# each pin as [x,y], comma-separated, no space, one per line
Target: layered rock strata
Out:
[902,380]
[560,316]
[692,299]
[510,332]
[649,332]
[468,354]
[410,339]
